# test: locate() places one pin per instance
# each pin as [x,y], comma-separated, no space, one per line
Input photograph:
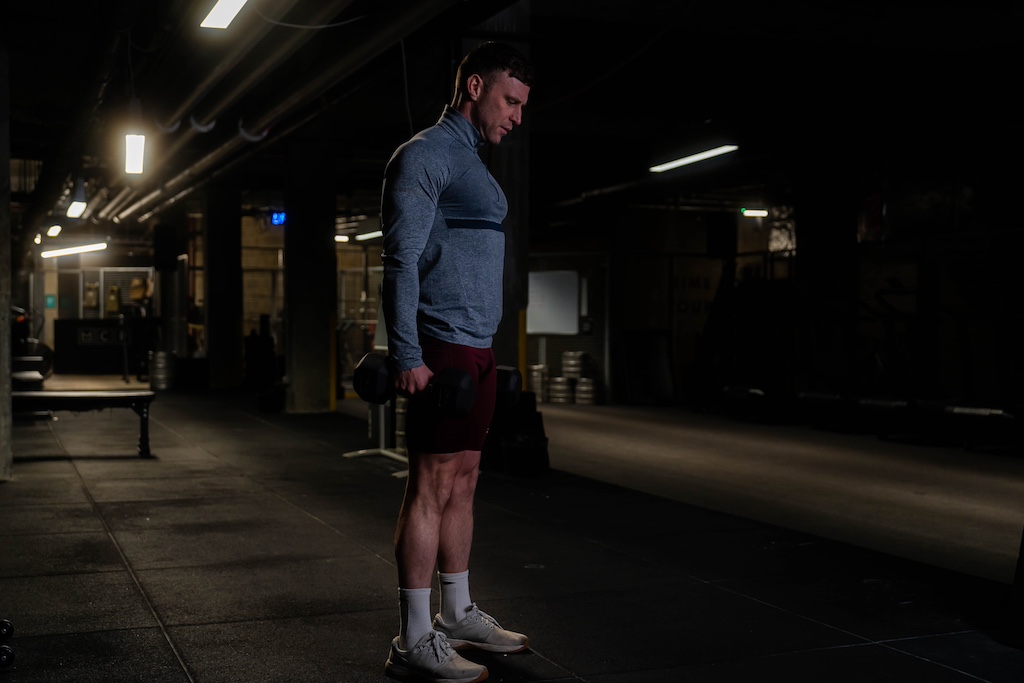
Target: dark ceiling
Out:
[860,89]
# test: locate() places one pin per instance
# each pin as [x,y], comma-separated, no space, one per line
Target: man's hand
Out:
[408,382]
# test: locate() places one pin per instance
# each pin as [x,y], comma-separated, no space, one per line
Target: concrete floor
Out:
[940,504]
[661,545]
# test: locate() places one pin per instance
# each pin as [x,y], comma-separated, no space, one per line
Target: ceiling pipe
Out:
[224,66]
[382,31]
[205,122]
[281,52]
[278,134]
[96,200]
[201,123]
[50,184]
[119,200]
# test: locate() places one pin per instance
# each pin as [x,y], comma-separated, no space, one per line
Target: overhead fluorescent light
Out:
[54,253]
[693,158]
[53,231]
[134,140]
[754,213]
[76,209]
[77,206]
[369,236]
[341,238]
[134,153]
[222,13]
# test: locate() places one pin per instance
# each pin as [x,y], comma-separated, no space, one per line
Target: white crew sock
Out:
[455,601]
[414,613]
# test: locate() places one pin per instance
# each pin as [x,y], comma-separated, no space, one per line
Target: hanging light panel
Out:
[134,152]
[134,141]
[77,206]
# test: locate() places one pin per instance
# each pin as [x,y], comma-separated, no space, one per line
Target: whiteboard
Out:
[553,306]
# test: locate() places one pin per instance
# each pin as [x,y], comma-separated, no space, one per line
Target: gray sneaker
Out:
[432,660]
[481,631]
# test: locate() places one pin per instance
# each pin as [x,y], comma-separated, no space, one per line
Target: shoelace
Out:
[477,614]
[439,646]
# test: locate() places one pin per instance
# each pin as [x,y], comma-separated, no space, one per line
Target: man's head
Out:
[491,89]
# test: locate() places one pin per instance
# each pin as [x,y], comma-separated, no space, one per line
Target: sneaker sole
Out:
[402,673]
[473,645]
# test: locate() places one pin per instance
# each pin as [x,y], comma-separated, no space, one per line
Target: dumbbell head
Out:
[454,392]
[372,379]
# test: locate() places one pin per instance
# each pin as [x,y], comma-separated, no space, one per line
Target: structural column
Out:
[6,456]
[224,333]
[311,281]
[826,274]
[168,244]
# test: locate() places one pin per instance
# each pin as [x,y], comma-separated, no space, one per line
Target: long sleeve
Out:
[412,187]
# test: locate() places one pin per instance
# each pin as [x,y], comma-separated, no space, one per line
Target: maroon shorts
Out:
[428,430]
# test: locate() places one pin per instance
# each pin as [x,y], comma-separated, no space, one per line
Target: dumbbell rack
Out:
[6,653]
[381,448]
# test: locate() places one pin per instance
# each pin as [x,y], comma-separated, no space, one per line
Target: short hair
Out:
[489,60]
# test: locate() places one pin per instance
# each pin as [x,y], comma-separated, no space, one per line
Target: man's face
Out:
[499,107]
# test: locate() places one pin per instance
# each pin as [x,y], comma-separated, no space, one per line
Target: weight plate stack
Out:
[585,391]
[560,390]
[538,382]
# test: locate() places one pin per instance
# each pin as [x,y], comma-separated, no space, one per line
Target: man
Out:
[442,296]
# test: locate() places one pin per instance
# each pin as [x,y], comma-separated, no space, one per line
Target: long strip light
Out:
[222,13]
[369,236]
[54,253]
[693,158]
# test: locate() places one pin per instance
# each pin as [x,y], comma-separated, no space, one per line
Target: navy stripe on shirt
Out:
[473,224]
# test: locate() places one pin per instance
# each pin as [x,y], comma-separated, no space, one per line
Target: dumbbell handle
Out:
[509,384]
[375,382]
[452,389]
[412,377]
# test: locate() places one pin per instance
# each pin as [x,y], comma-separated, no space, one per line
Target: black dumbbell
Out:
[452,390]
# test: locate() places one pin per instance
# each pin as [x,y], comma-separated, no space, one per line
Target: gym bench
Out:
[80,401]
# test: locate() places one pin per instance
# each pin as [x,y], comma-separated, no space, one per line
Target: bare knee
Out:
[464,485]
[432,479]
[438,480]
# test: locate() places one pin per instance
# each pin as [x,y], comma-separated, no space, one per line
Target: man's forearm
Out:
[400,299]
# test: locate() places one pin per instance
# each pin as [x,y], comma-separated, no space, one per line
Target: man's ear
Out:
[474,86]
